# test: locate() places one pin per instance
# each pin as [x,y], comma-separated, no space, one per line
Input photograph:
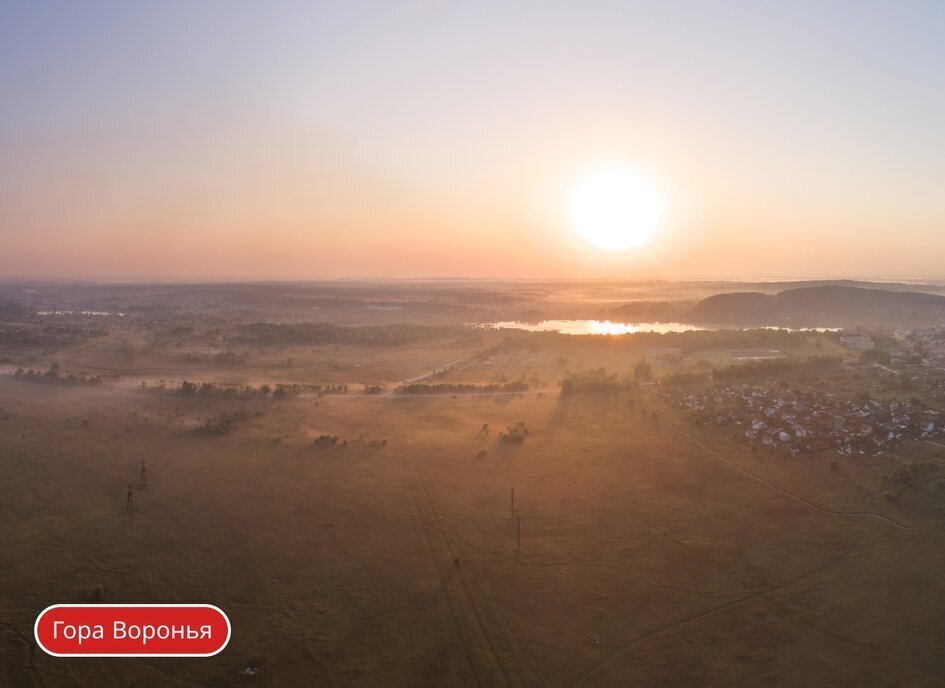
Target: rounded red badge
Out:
[132,630]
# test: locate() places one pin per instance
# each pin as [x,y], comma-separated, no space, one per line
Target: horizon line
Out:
[936,281]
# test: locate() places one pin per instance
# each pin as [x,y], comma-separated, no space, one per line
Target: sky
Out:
[300,140]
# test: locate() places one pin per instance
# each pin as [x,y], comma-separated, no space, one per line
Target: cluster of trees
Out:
[223,424]
[461,388]
[332,440]
[229,358]
[210,389]
[54,375]
[514,434]
[277,391]
[643,371]
[322,390]
[591,382]
[326,440]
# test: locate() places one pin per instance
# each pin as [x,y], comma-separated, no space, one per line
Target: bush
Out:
[514,434]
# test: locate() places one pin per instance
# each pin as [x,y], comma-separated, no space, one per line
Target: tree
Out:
[643,371]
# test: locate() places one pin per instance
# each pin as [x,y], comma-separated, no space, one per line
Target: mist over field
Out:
[379,485]
[472,344]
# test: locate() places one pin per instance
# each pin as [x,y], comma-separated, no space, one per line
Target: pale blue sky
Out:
[434,138]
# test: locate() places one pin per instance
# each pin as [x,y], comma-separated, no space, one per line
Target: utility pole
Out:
[518,532]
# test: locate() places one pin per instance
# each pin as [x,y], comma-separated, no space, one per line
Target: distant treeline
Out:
[328,333]
[47,337]
[701,340]
[780,368]
[13,311]
[278,391]
[689,342]
[686,377]
[783,368]
[592,382]
[457,388]
[209,389]
[55,377]
[650,311]
[227,358]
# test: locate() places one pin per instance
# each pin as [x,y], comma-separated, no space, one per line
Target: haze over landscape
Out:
[487,345]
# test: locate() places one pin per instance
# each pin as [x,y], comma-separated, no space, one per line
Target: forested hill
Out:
[821,306]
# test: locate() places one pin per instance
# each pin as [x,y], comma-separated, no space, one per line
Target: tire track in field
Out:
[620,649]
[513,676]
[456,613]
[494,610]
[484,660]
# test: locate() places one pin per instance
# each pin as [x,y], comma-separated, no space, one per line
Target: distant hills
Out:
[820,306]
[839,303]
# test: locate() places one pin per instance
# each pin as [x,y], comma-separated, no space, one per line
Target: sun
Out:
[615,210]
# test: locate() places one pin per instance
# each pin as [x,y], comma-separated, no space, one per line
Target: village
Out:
[881,399]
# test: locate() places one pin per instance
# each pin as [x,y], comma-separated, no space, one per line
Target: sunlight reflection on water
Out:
[594,327]
[608,327]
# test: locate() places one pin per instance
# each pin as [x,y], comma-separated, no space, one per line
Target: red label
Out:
[132,630]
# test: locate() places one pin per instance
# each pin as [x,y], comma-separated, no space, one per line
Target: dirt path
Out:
[620,649]
[488,664]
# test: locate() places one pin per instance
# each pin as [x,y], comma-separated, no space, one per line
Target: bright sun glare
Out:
[615,210]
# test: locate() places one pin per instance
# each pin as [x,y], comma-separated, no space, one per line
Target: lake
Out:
[582,327]
[594,326]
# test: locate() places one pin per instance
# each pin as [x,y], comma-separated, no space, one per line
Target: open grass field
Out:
[439,344]
[652,553]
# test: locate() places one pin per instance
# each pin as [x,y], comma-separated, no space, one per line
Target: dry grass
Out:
[646,558]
